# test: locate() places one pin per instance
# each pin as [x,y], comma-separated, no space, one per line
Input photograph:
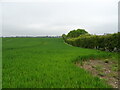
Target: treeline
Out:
[109,42]
[31,36]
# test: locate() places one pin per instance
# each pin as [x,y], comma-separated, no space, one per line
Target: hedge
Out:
[109,42]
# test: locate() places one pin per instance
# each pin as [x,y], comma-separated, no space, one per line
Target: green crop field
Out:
[47,63]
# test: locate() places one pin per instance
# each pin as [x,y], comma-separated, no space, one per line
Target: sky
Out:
[57,17]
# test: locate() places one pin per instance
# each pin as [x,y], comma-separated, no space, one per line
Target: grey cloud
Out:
[51,18]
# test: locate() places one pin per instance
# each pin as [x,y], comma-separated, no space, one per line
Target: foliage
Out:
[76,33]
[64,36]
[108,42]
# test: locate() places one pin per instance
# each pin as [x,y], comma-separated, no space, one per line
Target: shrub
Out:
[109,42]
[76,33]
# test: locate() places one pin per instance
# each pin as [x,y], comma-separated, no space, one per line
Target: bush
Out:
[76,33]
[108,42]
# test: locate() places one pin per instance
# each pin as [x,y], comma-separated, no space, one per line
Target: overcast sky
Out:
[55,17]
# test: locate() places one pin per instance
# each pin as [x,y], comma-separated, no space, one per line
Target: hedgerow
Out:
[109,42]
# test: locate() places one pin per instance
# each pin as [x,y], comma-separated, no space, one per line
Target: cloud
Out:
[58,16]
[86,1]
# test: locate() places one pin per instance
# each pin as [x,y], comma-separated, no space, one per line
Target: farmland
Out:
[47,63]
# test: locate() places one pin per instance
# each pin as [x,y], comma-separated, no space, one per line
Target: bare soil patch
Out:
[105,69]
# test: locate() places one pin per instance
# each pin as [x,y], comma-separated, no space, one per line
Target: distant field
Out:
[47,63]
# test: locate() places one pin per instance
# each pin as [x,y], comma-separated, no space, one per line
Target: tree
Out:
[76,33]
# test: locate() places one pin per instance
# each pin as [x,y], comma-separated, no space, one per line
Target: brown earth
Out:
[104,69]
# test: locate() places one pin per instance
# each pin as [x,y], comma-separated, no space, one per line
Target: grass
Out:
[98,68]
[47,63]
[0,63]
